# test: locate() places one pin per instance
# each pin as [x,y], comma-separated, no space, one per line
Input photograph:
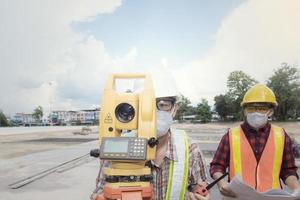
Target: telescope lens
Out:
[124,112]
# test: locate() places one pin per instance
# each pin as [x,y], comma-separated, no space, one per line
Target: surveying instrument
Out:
[128,178]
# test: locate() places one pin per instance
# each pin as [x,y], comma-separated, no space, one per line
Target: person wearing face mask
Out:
[259,152]
[179,165]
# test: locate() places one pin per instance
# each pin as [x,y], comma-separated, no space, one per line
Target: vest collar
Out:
[171,153]
[248,129]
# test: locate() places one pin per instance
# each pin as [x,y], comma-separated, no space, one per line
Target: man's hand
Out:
[223,186]
[292,182]
[194,196]
[225,190]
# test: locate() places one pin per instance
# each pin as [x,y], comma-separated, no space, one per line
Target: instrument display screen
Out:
[114,146]
[123,148]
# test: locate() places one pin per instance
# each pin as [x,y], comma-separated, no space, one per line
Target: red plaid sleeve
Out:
[288,167]
[221,158]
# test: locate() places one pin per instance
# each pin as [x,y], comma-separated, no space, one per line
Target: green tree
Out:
[204,113]
[95,122]
[3,120]
[285,83]
[184,108]
[38,113]
[222,106]
[238,83]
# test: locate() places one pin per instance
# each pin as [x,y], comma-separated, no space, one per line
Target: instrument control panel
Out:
[123,148]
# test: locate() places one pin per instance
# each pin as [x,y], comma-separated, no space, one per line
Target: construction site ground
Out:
[46,163]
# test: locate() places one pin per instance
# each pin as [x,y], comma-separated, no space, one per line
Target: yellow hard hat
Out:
[259,93]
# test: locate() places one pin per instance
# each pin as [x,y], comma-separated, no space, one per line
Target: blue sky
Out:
[179,30]
[76,44]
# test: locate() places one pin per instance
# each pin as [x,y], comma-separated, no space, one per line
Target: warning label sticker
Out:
[108,119]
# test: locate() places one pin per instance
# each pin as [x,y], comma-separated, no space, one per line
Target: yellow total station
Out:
[122,113]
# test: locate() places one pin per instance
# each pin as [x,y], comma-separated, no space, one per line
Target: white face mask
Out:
[257,120]
[164,121]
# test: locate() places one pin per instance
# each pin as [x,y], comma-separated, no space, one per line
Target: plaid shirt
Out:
[196,173]
[257,141]
[296,148]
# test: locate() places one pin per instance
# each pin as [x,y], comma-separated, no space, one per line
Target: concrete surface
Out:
[21,141]
[38,129]
[71,183]
[76,183]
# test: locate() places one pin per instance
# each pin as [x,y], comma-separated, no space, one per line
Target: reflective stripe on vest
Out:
[263,175]
[178,171]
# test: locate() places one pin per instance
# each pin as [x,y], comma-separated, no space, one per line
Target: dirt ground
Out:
[16,145]
[292,128]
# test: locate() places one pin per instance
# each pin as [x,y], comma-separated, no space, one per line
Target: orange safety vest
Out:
[261,175]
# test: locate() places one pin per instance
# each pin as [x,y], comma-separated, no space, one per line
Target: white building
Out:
[89,116]
[24,119]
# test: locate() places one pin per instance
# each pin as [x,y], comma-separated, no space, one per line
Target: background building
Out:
[24,119]
[89,116]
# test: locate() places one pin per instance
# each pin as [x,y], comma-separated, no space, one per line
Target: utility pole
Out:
[50,103]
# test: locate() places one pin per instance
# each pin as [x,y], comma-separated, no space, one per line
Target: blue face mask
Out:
[164,121]
[257,120]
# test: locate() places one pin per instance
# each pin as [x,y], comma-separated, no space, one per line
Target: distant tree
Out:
[95,122]
[185,108]
[204,113]
[238,83]
[285,82]
[222,106]
[38,113]
[296,112]
[3,120]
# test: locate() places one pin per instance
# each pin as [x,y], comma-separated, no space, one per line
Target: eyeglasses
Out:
[261,109]
[164,104]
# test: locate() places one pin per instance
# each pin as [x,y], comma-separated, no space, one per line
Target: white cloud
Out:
[255,37]
[38,45]
[85,69]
